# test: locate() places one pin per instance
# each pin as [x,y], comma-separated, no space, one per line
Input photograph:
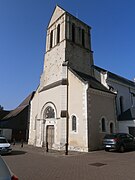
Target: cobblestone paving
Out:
[32,163]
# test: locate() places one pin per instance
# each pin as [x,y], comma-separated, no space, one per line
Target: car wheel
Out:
[122,149]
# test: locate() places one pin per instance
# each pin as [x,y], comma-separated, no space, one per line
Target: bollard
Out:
[21,142]
[66,149]
[14,141]
[46,146]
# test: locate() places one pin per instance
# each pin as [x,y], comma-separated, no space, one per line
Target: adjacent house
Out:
[15,125]
[125,99]
[4,132]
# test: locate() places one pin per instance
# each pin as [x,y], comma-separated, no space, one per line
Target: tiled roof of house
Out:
[20,108]
[3,113]
[14,112]
[115,76]
[93,83]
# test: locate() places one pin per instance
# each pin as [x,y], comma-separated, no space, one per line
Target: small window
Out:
[131,130]
[103,125]
[58,33]
[83,38]
[121,104]
[79,32]
[51,39]
[73,32]
[133,99]
[74,123]
[111,128]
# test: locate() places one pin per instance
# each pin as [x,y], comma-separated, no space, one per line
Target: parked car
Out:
[5,146]
[119,142]
[5,172]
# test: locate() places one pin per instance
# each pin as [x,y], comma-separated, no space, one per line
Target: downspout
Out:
[116,114]
[86,116]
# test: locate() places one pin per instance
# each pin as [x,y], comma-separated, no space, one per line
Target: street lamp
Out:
[65,63]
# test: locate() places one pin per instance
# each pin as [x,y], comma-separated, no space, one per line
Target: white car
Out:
[5,146]
[5,172]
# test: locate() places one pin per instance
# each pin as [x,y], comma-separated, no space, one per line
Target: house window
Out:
[103,125]
[83,38]
[79,32]
[133,99]
[49,112]
[58,33]
[121,104]
[73,32]
[111,128]
[74,123]
[51,39]
[131,130]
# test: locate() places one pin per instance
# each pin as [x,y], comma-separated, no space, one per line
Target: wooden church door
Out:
[50,136]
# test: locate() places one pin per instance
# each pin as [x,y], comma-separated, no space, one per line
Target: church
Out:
[70,109]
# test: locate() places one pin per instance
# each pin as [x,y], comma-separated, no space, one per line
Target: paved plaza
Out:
[32,163]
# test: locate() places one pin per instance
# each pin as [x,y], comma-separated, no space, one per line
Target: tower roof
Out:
[58,12]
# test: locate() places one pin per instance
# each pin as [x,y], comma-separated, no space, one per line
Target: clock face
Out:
[49,112]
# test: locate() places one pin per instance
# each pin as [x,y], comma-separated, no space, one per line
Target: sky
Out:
[23,25]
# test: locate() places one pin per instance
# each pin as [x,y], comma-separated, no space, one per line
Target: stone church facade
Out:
[70,105]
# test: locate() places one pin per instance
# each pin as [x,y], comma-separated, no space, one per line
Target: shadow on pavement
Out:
[126,151]
[15,152]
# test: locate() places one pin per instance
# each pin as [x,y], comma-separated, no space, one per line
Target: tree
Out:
[1,108]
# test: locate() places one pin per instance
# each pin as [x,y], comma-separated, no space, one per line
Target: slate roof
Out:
[115,76]
[93,83]
[128,115]
[20,108]
[3,113]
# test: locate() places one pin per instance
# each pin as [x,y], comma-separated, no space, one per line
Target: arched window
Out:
[51,39]
[79,34]
[58,33]
[83,38]
[111,128]
[73,32]
[103,125]
[121,104]
[74,123]
[49,112]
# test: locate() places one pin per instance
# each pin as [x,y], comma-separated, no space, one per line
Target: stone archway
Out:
[48,125]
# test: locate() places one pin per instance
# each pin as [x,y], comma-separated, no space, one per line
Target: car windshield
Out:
[3,141]
[110,136]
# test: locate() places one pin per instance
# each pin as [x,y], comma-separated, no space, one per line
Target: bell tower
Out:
[68,39]
[78,45]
